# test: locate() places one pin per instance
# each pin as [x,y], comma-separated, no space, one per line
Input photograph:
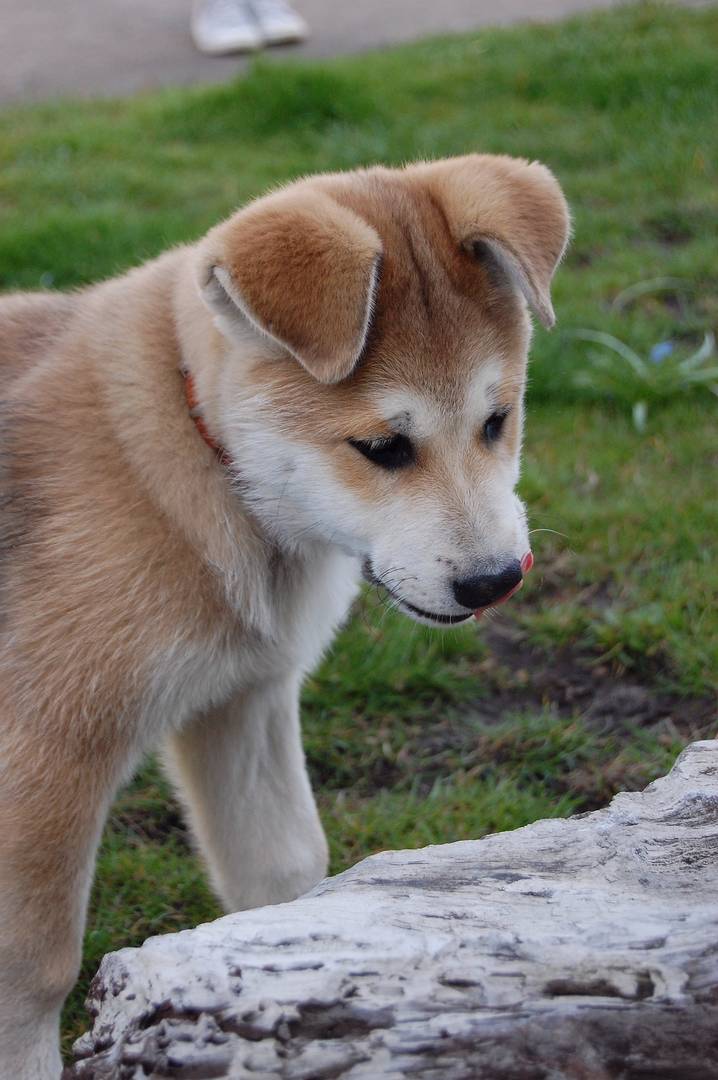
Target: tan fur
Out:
[143,599]
[304,268]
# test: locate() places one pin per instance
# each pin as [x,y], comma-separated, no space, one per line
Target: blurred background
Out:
[119,137]
[50,47]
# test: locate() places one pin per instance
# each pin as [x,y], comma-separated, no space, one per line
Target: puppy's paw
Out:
[277,880]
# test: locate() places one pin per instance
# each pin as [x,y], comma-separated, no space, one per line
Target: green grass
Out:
[416,737]
[638,514]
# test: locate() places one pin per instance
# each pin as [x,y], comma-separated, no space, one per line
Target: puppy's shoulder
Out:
[30,324]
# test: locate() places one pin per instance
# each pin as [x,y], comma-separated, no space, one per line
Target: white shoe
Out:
[225,26]
[279,24]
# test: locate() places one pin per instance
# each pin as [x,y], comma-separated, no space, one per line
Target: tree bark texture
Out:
[582,948]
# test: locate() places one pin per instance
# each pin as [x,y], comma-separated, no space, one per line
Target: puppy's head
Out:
[371,393]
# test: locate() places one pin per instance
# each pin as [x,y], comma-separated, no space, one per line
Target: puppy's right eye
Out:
[394,452]
[494,425]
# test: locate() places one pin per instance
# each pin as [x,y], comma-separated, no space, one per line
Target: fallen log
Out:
[577,948]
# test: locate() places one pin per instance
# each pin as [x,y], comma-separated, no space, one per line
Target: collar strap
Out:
[190,393]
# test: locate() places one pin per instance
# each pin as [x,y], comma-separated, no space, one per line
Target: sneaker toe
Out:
[281,30]
[219,40]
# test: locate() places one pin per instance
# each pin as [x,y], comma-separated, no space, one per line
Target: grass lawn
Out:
[607,663]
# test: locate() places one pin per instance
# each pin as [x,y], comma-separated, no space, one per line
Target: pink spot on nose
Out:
[527,562]
[513,591]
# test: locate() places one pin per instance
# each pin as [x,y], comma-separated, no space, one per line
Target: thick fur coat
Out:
[358,345]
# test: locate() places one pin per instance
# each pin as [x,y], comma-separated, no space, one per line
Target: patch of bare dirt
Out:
[153,825]
[523,678]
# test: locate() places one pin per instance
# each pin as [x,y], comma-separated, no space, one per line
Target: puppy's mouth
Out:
[445,620]
[429,616]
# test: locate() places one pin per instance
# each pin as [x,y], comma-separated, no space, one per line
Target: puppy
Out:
[198,458]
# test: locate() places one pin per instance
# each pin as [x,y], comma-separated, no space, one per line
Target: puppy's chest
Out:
[304,604]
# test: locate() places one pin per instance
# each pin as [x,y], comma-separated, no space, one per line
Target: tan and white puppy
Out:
[357,346]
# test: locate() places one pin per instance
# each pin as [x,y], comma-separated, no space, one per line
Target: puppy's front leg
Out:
[54,794]
[242,776]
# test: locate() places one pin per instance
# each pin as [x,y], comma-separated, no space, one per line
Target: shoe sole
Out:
[228,49]
[285,39]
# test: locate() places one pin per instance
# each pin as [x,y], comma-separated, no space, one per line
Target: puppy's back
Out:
[29,324]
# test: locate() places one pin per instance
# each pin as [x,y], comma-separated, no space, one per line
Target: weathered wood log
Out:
[583,948]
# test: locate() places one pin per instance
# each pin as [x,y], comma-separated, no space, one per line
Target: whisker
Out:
[391,570]
[306,529]
[554,531]
[280,500]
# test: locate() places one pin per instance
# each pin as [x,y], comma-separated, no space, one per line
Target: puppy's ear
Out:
[510,213]
[302,270]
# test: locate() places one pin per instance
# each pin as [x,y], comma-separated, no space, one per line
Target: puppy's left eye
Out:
[395,452]
[494,425]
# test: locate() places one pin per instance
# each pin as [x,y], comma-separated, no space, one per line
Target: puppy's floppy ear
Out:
[510,211]
[301,269]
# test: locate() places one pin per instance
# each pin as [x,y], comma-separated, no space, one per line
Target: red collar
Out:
[190,393]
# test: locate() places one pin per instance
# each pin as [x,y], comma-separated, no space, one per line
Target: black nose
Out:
[481,590]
